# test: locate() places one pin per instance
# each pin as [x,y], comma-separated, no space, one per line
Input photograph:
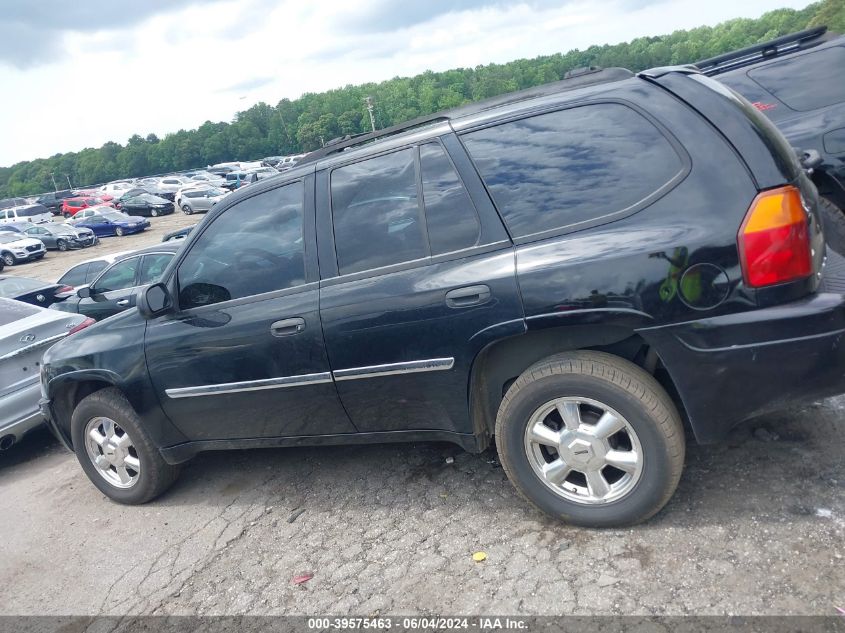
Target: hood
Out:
[22,242]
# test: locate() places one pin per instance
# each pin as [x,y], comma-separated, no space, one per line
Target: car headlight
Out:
[20,253]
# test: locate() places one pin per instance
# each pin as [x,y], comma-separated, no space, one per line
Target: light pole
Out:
[370,109]
[55,186]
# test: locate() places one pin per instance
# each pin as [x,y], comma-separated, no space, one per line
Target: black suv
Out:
[565,269]
[798,81]
[53,200]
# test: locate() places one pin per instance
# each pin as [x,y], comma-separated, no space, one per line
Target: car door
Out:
[100,225]
[112,291]
[418,275]
[42,234]
[242,356]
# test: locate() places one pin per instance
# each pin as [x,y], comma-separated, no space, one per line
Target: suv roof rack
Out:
[576,78]
[766,50]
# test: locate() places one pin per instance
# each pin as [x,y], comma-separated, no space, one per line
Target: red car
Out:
[94,193]
[71,205]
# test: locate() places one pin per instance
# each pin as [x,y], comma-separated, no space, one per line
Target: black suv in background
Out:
[53,200]
[798,81]
[565,269]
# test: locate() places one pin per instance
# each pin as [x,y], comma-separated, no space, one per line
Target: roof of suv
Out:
[765,51]
[574,79]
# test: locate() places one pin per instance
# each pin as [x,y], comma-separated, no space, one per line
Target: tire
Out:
[591,383]
[154,475]
[154,213]
[8,259]
[833,221]
[187,210]
[61,245]
[67,215]
[118,231]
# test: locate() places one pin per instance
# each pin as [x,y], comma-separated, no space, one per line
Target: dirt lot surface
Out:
[756,527]
[54,264]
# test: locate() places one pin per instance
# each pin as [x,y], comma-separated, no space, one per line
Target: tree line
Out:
[304,124]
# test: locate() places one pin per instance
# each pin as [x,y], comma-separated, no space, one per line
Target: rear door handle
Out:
[468,296]
[288,327]
[123,303]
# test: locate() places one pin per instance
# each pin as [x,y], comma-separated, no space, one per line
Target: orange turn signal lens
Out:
[774,240]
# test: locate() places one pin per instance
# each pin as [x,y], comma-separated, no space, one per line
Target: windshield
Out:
[13,286]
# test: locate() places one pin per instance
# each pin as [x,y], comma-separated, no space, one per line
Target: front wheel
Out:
[591,439]
[118,231]
[115,451]
[61,245]
[154,213]
[9,259]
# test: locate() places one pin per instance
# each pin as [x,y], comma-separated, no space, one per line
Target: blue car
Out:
[109,223]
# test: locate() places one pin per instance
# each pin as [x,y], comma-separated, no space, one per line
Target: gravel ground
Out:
[55,263]
[756,527]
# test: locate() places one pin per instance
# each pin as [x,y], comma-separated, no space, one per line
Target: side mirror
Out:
[84,293]
[153,300]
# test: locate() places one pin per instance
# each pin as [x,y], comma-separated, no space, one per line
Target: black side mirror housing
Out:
[84,293]
[153,301]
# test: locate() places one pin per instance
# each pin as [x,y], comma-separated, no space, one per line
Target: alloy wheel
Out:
[112,452]
[583,450]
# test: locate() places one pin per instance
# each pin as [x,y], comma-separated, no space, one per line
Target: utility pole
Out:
[370,109]
[69,186]
[55,186]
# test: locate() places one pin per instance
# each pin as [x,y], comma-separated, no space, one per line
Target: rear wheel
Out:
[833,220]
[591,439]
[8,259]
[187,210]
[118,231]
[61,245]
[66,215]
[116,452]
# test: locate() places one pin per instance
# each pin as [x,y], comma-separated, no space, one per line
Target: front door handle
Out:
[468,296]
[288,327]
[123,303]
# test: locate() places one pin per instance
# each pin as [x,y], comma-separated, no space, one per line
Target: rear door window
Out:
[76,276]
[153,266]
[450,215]
[376,213]
[118,277]
[572,168]
[805,82]
[94,269]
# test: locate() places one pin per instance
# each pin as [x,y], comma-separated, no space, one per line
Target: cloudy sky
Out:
[78,73]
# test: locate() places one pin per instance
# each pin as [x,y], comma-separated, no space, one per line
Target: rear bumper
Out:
[731,368]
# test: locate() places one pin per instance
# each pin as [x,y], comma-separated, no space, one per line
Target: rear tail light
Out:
[774,239]
[81,326]
[64,289]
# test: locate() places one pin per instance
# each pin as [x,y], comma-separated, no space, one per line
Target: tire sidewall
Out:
[93,407]
[640,503]
[61,245]
[9,259]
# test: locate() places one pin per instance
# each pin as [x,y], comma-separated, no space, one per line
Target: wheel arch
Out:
[501,362]
[67,391]
[829,187]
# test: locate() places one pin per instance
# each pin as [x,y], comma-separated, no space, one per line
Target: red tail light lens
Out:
[774,240]
[81,326]
[64,289]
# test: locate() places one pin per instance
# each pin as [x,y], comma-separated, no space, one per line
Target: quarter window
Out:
[376,213]
[450,215]
[583,164]
[254,247]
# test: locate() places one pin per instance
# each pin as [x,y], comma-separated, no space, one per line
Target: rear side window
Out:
[561,169]
[118,277]
[806,82]
[450,215]
[153,266]
[94,269]
[376,213]
[75,276]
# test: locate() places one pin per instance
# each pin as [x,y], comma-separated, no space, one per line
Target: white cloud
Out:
[178,68]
